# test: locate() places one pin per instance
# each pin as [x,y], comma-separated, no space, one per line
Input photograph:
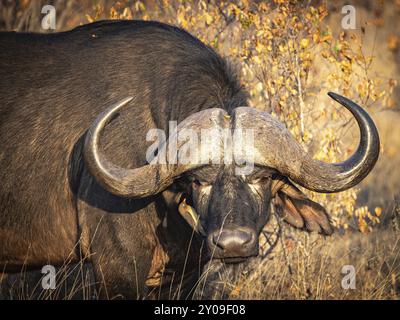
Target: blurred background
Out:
[289,55]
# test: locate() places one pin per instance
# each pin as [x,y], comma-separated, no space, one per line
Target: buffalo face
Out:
[230,209]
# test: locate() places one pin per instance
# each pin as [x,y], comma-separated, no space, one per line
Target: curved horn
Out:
[275,147]
[148,179]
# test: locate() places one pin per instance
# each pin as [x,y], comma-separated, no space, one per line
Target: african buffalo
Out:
[74,179]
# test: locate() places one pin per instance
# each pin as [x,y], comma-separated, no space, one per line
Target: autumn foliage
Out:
[289,54]
[288,58]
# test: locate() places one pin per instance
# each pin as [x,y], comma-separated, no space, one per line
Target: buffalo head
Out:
[228,208]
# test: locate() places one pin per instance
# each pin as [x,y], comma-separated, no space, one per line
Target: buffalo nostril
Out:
[233,240]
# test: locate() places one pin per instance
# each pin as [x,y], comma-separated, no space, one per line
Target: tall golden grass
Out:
[289,54]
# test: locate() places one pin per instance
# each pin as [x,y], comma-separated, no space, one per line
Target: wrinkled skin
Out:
[52,88]
[219,197]
[54,207]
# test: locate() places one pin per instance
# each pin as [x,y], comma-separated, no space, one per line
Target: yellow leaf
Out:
[89,18]
[208,18]
[304,43]
[393,42]
[378,211]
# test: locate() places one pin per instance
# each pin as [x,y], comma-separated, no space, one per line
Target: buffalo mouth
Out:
[236,260]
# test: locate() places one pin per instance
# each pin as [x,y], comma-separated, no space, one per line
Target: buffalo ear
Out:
[299,211]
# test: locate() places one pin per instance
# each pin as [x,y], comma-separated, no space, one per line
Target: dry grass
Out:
[311,269]
[304,266]
[73,282]
[300,266]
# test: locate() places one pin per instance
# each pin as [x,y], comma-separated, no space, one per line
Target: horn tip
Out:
[338,98]
[334,96]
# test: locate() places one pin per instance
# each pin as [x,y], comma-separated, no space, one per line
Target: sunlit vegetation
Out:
[289,55]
